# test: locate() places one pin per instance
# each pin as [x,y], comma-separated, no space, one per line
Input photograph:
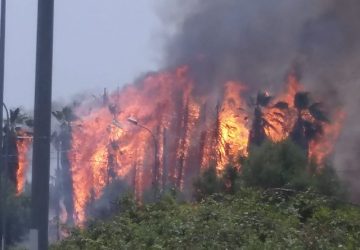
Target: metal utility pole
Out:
[4,187]
[2,70]
[42,126]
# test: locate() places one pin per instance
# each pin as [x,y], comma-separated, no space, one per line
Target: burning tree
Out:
[192,131]
[62,142]
[262,123]
[309,121]
[17,142]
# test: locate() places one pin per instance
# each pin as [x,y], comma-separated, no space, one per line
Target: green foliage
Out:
[108,203]
[328,183]
[17,212]
[209,182]
[284,165]
[250,219]
[230,179]
[276,165]
[206,184]
[289,214]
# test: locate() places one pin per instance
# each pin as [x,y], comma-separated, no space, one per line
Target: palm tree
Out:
[62,142]
[260,123]
[309,122]
[13,130]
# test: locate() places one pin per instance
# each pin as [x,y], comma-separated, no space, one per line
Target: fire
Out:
[323,146]
[178,132]
[283,120]
[103,149]
[23,146]
[230,133]
[319,148]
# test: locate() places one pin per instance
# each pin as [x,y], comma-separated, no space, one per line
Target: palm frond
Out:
[267,124]
[278,114]
[69,114]
[58,115]
[281,105]
[29,123]
[312,130]
[302,100]
[316,112]
[263,99]
[278,121]
[14,115]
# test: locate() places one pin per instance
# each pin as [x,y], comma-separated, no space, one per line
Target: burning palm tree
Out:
[17,143]
[62,142]
[309,122]
[260,122]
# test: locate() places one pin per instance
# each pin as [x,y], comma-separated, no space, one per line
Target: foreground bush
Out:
[17,212]
[285,165]
[250,219]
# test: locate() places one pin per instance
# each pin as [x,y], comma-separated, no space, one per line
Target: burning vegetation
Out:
[209,112]
[178,133]
[18,139]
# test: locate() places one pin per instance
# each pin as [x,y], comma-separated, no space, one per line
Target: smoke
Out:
[258,42]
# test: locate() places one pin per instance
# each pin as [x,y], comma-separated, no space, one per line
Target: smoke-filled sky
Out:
[97,44]
[259,41]
[110,42]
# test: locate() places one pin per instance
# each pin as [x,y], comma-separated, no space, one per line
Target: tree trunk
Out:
[298,136]
[257,133]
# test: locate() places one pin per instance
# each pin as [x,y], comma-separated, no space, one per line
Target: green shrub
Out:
[17,210]
[250,219]
[274,165]
[206,184]
[327,182]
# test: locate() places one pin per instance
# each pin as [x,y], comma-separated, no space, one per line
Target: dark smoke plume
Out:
[259,41]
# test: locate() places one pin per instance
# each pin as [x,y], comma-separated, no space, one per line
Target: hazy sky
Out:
[97,44]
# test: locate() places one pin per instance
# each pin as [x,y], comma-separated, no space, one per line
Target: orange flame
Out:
[23,146]
[230,134]
[323,146]
[191,132]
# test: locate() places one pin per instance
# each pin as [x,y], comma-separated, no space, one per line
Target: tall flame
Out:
[179,132]
[323,146]
[23,145]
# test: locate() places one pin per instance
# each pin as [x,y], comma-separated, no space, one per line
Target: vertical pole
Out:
[4,188]
[57,185]
[2,70]
[42,124]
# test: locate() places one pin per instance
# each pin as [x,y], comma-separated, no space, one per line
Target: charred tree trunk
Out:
[175,132]
[113,147]
[202,141]
[135,178]
[298,135]
[164,161]
[12,156]
[182,147]
[257,133]
[216,142]
[67,182]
